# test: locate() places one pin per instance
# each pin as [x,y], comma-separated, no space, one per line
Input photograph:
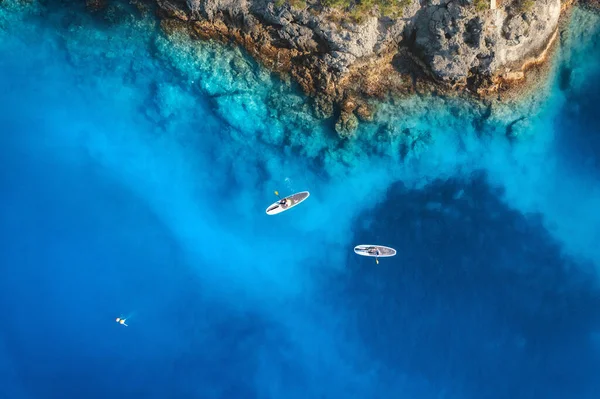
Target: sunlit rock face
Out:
[457,40]
[332,54]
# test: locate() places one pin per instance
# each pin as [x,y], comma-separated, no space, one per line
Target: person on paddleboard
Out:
[284,202]
[373,251]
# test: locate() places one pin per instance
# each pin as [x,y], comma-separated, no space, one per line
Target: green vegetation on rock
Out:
[525,5]
[387,8]
[481,5]
[337,3]
[297,4]
[357,9]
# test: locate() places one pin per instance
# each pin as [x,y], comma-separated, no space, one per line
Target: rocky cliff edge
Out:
[343,58]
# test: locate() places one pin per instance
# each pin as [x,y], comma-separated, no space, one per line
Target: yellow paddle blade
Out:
[377,260]
[277,193]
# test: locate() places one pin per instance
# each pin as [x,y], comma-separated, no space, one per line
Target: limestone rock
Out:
[436,45]
[346,125]
[455,40]
[364,112]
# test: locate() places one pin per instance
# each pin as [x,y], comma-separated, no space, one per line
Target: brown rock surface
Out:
[442,46]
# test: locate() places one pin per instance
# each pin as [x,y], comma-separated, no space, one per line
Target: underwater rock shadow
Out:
[479,299]
[578,78]
[579,125]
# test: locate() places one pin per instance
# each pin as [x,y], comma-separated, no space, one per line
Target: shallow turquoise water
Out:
[135,172]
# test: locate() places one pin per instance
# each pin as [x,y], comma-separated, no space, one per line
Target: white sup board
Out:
[384,252]
[292,201]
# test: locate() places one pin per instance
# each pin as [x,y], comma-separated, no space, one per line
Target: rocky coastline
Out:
[347,63]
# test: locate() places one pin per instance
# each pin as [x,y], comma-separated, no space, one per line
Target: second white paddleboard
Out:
[371,250]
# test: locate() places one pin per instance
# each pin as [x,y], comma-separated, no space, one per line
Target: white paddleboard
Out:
[370,250]
[292,201]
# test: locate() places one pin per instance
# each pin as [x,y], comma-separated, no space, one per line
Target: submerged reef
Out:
[346,53]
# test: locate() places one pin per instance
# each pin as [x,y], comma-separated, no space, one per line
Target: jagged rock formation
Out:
[457,41]
[435,45]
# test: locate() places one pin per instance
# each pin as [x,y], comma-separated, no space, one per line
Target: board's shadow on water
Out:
[479,299]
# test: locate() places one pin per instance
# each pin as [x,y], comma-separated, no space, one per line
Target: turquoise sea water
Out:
[135,171]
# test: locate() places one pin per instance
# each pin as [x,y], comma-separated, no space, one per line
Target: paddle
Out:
[376,256]
[277,194]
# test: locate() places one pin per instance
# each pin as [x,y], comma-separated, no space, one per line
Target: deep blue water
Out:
[135,172]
